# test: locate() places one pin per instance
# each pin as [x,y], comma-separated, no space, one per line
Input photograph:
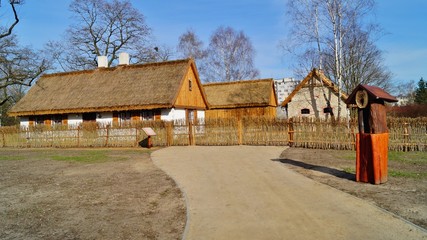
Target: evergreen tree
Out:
[421,92]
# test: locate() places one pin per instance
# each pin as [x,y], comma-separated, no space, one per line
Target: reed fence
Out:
[405,134]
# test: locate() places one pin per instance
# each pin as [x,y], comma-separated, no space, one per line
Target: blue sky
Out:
[404,44]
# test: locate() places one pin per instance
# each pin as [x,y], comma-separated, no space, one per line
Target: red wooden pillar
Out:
[372,139]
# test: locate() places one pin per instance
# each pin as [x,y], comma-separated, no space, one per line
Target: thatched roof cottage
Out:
[315,96]
[155,91]
[241,99]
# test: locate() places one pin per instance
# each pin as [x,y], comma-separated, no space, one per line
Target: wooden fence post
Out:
[3,140]
[108,135]
[405,137]
[169,133]
[240,131]
[190,133]
[78,136]
[136,137]
[291,132]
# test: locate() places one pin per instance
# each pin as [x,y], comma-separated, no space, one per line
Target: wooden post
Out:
[108,135]
[190,133]
[240,131]
[3,140]
[136,138]
[169,133]
[78,136]
[405,137]
[291,132]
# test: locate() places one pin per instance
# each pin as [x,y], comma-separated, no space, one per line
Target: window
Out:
[190,85]
[327,110]
[305,111]
[124,116]
[147,115]
[56,119]
[39,120]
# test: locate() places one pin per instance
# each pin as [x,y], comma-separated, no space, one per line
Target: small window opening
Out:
[190,85]
[327,110]
[305,111]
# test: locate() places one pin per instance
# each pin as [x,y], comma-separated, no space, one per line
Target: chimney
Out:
[124,58]
[102,62]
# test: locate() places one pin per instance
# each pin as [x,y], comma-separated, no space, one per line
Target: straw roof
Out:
[121,88]
[317,74]
[250,93]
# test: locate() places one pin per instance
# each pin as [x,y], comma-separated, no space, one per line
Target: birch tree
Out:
[333,35]
[229,57]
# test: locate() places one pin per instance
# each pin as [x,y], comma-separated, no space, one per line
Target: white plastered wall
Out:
[172,114]
[24,121]
[75,119]
[104,118]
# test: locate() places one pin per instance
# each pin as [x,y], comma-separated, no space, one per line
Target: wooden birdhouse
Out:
[372,139]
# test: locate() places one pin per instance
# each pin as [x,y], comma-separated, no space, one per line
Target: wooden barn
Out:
[254,98]
[315,96]
[156,91]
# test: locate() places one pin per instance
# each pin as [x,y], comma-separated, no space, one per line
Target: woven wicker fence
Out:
[405,134]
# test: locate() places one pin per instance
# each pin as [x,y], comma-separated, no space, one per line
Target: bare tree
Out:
[229,57]
[19,68]
[7,30]
[190,46]
[101,27]
[333,34]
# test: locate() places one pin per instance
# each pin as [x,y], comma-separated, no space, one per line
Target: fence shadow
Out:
[323,169]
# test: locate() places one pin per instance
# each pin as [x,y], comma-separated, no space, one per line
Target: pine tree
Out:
[421,92]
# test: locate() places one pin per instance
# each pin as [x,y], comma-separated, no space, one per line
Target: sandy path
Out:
[238,192]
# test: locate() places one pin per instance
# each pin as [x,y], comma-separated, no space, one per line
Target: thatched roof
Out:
[317,74]
[121,88]
[251,93]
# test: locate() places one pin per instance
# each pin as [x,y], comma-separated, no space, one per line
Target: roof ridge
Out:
[140,65]
[239,82]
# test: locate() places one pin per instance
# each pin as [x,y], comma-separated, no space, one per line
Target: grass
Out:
[91,156]
[11,157]
[72,155]
[409,157]
[404,174]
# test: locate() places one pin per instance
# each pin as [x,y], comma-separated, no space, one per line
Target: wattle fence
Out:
[406,134]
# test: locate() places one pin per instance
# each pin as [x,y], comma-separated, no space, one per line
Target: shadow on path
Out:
[331,171]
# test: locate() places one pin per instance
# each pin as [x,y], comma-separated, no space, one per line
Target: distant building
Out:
[249,98]
[315,96]
[284,87]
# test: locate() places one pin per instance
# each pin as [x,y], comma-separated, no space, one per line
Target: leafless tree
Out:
[229,57]
[19,68]
[190,46]
[336,38]
[101,27]
[7,30]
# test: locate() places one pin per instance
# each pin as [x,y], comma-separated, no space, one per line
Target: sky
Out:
[404,43]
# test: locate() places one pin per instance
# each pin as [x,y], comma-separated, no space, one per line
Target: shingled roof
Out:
[121,88]
[250,93]
[315,73]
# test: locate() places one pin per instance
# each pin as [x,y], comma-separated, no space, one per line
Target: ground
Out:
[405,193]
[87,194]
[121,194]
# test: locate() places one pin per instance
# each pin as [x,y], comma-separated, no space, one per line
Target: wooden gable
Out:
[312,79]
[191,94]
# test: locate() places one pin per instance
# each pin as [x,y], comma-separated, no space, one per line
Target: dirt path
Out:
[244,192]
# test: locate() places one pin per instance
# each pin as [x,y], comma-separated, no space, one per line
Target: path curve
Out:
[240,192]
